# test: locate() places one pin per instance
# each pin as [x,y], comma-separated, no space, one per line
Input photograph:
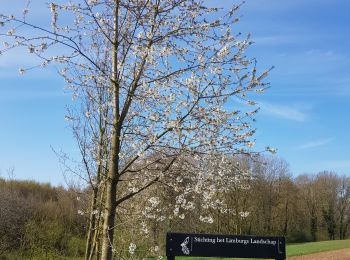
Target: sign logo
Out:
[184,247]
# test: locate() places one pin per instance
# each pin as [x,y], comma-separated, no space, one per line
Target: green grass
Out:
[316,247]
[297,249]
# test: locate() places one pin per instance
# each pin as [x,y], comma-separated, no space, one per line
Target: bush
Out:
[298,236]
[76,247]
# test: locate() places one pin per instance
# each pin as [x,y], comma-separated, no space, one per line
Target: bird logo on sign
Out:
[184,247]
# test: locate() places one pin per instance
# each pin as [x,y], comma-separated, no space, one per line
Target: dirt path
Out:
[343,254]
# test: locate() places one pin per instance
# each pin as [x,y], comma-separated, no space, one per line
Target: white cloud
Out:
[314,144]
[325,54]
[275,39]
[278,5]
[282,111]
[34,95]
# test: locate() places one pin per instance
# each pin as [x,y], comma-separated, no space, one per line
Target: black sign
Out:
[179,244]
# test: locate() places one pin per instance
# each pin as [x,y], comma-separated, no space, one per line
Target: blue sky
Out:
[304,114]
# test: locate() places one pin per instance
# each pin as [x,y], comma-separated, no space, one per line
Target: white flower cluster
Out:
[132,248]
[244,214]
[154,201]
[207,219]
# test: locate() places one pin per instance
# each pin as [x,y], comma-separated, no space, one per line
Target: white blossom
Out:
[271,149]
[44,64]
[207,219]
[132,248]
[31,48]
[144,228]
[10,32]
[54,14]
[176,211]
[21,71]
[154,201]
[93,2]
[25,11]
[244,214]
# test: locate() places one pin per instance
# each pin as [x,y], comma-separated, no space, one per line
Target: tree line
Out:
[265,199]
[40,220]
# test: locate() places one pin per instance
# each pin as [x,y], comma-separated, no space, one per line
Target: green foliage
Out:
[75,246]
[39,221]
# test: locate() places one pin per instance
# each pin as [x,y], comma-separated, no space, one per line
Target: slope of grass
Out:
[316,247]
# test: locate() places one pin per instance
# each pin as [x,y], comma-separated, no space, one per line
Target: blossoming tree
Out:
[159,80]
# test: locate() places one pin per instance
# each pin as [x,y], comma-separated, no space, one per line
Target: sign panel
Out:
[181,244]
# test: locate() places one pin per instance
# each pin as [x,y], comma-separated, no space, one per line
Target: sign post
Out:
[205,245]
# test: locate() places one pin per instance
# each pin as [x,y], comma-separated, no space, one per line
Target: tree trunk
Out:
[113,172]
[92,225]
[285,228]
[109,216]
[96,235]
[111,200]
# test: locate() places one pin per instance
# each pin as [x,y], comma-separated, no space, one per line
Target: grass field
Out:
[316,247]
[297,249]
